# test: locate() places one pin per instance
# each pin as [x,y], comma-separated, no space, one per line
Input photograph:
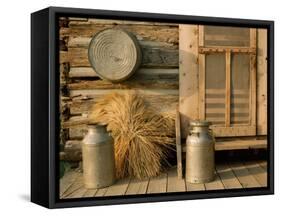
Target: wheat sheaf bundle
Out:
[142,137]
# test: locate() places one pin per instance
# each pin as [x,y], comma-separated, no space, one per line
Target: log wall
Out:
[157,78]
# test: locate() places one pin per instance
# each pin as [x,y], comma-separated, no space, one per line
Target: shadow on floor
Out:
[25,197]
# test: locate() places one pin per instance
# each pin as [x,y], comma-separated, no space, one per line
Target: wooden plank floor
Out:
[228,175]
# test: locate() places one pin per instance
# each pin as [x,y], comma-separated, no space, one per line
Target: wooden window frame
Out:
[228,129]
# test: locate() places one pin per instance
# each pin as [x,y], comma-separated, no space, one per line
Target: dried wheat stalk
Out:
[142,137]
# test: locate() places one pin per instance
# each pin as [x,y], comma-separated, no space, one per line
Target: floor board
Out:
[195,187]
[137,186]
[215,185]
[258,172]
[76,185]
[158,184]
[90,193]
[175,184]
[244,176]
[119,188]
[228,175]
[67,181]
[101,192]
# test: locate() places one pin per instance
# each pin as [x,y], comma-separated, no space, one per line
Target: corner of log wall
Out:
[157,78]
[64,93]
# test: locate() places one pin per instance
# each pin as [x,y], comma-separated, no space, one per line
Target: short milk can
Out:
[200,163]
[98,157]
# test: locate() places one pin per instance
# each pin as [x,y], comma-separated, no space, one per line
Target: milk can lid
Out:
[200,123]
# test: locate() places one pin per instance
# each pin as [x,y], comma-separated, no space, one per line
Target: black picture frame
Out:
[45,106]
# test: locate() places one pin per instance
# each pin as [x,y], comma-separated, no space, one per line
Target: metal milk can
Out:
[200,163]
[98,157]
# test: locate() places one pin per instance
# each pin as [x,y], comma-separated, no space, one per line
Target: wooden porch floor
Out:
[228,175]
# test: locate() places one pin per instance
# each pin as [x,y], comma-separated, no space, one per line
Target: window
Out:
[227,79]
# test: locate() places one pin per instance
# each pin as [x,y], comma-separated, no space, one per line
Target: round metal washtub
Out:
[114,54]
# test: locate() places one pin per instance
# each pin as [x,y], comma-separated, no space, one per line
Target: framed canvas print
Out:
[139,107]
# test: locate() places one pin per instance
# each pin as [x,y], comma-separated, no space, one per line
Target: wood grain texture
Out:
[157,80]
[235,144]
[137,186]
[178,145]
[152,73]
[85,22]
[75,186]
[91,93]
[243,175]
[158,184]
[188,73]
[135,82]
[83,42]
[202,100]
[73,147]
[217,49]
[143,31]
[240,144]
[263,164]
[119,188]
[253,90]
[201,76]
[262,82]
[258,172]
[78,193]
[90,192]
[77,19]
[157,57]
[101,192]
[227,176]
[162,103]
[215,185]
[241,130]
[174,183]
[73,150]
[77,133]
[231,175]
[68,179]
[195,187]
[227,88]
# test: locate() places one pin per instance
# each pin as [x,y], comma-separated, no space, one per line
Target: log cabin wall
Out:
[157,79]
[169,75]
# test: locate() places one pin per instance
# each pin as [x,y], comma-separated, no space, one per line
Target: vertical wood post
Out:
[253,78]
[262,82]
[227,88]
[188,75]
[178,145]
[201,76]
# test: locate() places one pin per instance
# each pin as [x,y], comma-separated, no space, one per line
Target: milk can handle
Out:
[193,133]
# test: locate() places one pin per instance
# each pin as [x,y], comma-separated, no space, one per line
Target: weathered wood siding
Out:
[169,75]
[188,73]
[262,82]
[157,78]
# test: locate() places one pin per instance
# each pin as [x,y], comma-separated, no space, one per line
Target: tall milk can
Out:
[98,157]
[200,163]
